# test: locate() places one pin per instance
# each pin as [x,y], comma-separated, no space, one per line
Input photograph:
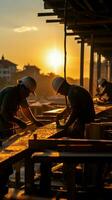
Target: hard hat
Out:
[101,81]
[29,83]
[57,82]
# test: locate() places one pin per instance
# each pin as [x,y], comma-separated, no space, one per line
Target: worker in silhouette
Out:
[81,107]
[81,112]
[104,90]
[12,99]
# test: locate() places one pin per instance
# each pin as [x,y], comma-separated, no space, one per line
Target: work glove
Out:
[22,124]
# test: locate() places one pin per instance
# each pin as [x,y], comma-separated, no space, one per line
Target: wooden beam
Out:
[71,34]
[79,41]
[72,21]
[82,62]
[98,65]
[103,48]
[110,63]
[93,22]
[91,65]
[54,21]
[88,32]
[100,41]
[46,14]
[77,38]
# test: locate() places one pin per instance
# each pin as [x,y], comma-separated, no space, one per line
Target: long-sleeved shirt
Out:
[82,107]
[10,101]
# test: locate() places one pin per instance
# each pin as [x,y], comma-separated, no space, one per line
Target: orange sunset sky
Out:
[28,39]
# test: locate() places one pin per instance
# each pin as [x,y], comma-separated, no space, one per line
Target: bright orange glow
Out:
[55,60]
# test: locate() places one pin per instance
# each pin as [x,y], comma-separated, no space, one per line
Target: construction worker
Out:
[12,99]
[104,90]
[81,107]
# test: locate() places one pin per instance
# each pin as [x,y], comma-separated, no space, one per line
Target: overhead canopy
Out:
[85,18]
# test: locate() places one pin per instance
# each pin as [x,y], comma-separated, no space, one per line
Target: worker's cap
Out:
[57,83]
[29,83]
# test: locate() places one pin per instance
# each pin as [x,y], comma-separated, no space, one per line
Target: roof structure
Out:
[87,19]
[89,22]
[6,63]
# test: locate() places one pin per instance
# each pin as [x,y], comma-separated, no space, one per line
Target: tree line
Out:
[44,81]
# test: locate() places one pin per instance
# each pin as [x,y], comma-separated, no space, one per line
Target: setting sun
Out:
[55,59]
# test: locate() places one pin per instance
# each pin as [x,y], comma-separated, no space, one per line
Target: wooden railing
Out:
[69,151]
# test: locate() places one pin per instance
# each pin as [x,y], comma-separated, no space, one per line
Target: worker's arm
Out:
[28,113]
[101,91]
[70,120]
[64,113]
[72,117]
[19,122]
[103,97]
[8,111]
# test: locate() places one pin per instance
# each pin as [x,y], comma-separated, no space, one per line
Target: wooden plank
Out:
[102,108]
[59,156]
[98,109]
[72,145]
[16,150]
[67,141]
[70,159]
[54,111]
[46,14]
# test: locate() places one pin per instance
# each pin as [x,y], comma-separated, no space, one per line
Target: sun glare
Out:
[55,59]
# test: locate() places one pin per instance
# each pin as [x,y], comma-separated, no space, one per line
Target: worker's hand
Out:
[37,123]
[22,124]
[60,126]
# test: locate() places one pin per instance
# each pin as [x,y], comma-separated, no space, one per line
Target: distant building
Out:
[7,69]
[29,70]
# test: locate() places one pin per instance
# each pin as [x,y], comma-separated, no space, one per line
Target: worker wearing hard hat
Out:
[104,90]
[11,99]
[81,106]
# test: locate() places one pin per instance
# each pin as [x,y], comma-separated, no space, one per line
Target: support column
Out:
[82,63]
[110,64]
[106,72]
[91,66]
[98,66]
